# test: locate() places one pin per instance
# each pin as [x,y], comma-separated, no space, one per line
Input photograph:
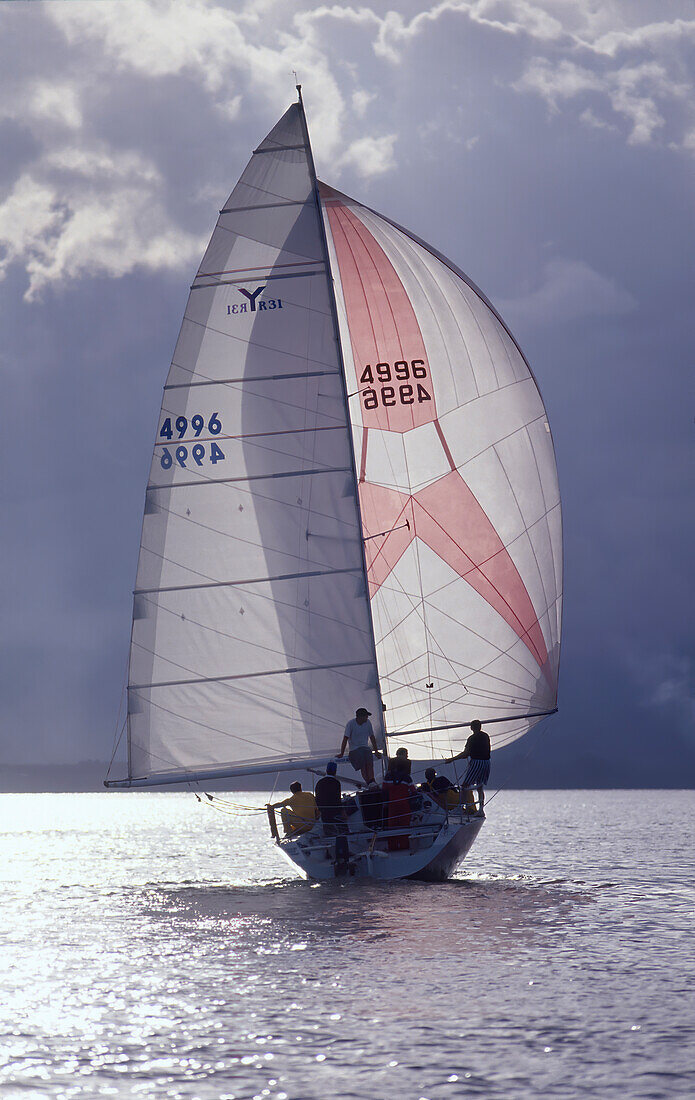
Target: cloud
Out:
[371,156]
[84,206]
[88,212]
[638,90]
[619,68]
[632,91]
[569,289]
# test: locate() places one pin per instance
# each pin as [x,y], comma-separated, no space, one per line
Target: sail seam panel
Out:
[257,596]
[246,675]
[263,206]
[244,381]
[254,279]
[277,149]
[405,243]
[248,477]
[243,340]
[261,267]
[527,528]
[231,584]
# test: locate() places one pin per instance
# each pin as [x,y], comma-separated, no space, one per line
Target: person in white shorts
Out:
[358,734]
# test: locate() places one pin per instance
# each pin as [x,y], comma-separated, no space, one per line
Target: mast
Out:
[336,331]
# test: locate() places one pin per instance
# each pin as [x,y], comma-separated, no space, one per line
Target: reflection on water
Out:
[154,950]
[425,919]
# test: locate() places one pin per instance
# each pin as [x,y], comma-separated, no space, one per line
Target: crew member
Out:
[477,752]
[298,812]
[358,734]
[328,800]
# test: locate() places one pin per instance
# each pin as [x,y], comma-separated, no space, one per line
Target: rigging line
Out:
[235,584]
[117,743]
[117,737]
[235,805]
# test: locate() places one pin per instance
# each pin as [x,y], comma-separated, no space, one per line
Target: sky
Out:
[546,146]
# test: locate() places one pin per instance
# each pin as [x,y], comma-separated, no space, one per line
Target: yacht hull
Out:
[430,857]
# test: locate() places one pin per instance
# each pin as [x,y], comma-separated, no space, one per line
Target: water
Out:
[153,947]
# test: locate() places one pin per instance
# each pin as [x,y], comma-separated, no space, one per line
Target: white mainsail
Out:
[456,466]
[353,497]
[252,642]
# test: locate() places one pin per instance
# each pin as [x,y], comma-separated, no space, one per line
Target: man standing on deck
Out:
[477,752]
[359,733]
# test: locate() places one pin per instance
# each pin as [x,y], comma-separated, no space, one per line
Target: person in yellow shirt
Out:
[298,812]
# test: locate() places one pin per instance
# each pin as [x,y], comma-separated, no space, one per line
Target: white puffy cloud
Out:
[371,156]
[630,63]
[568,289]
[86,212]
[633,91]
[621,67]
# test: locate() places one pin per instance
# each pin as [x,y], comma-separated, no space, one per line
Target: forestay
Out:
[458,488]
[252,642]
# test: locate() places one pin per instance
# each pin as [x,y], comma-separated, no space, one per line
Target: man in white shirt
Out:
[358,733]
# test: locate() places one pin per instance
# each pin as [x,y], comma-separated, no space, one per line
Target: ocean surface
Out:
[155,947]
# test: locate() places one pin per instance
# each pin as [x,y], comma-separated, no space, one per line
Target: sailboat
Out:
[353,502]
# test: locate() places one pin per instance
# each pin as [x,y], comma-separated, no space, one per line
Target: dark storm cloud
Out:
[546,147]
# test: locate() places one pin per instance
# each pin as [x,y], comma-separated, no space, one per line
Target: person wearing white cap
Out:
[358,733]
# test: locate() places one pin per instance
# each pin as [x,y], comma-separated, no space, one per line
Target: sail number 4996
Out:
[405,392]
[198,453]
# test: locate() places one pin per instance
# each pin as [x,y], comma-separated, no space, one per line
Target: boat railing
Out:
[319,842]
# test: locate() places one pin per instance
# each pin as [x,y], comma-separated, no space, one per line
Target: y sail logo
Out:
[253,303]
